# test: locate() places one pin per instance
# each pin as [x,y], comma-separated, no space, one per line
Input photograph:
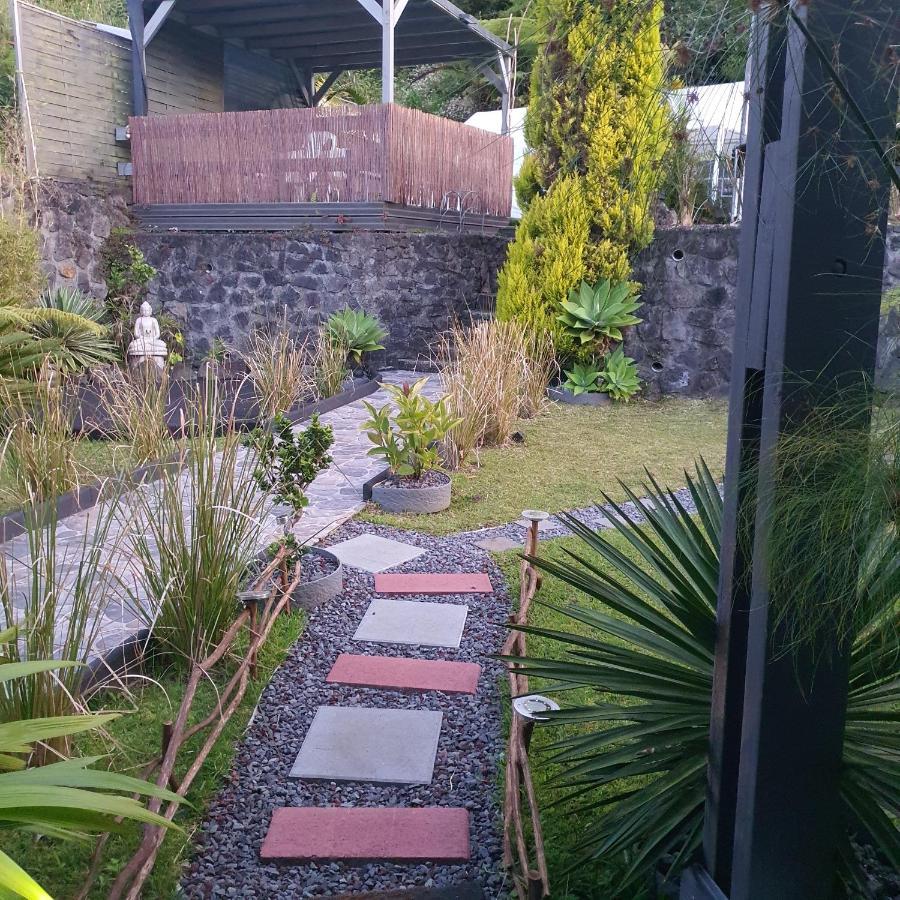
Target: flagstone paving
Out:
[372,553]
[437,834]
[391,746]
[433,583]
[397,673]
[412,622]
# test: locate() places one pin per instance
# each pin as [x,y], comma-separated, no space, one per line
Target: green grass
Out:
[61,866]
[564,824]
[94,459]
[571,455]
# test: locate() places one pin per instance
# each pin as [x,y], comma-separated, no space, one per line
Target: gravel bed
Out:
[226,861]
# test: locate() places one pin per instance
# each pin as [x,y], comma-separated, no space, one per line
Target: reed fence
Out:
[523,839]
[348,154]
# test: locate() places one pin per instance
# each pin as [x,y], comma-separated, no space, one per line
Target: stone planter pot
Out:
[312,594]
[430,498]
[561,395]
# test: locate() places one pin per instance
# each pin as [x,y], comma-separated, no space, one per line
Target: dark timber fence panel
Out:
[327,154]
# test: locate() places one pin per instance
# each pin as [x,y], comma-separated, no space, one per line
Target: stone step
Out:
[433,583]
[413,622]
[402,674]
[433,834]
[361,743]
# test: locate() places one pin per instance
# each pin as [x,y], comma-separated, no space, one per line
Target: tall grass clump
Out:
[135,405]
[330,365]
[493,373]
[280,369]
[55,597]
[195,533]
[38,446]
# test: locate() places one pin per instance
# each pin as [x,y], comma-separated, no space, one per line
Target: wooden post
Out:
[166,740]
[387,51]
[138,63]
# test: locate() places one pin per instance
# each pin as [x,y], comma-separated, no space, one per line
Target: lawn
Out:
[94,459]
[571,455]
[564,824]
[61,866]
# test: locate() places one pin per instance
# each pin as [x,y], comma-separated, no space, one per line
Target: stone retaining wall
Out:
[224,285]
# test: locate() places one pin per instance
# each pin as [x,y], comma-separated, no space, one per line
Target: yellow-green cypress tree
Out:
[598,126]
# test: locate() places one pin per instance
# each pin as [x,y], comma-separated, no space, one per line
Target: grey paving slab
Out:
[413,622]
[372,553]
[499,544]
[390,746]
[543,525]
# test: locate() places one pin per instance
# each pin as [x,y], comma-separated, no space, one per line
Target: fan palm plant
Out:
[639,756]
[65,799]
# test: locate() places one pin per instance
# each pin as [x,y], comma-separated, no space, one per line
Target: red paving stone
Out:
[433,583]
[439,834]
[405,674]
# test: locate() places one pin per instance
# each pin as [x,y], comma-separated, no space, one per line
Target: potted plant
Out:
[407,441]
[582,386]
[287,462]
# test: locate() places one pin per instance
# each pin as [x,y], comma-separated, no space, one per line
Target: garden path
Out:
[335,496]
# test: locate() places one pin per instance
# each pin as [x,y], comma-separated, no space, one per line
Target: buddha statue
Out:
[146,347]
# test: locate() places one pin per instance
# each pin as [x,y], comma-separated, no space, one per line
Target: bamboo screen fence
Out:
[325,154]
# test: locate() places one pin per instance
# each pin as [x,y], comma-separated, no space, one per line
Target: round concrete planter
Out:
[428,499]
[312,594]
[561,395]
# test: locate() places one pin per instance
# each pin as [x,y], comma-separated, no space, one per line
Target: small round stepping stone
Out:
[433,583]
[431,833]
[402,674]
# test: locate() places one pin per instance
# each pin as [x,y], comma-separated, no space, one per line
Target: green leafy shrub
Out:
[619,376]
[598,127]
[583,378]
[638,754]
[357,331]
[595,316]
[408,440]
[127,275]
[526,182]
[288,461]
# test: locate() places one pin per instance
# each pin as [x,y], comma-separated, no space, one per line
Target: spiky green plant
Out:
[357,331]
[64,799]
[639,757]
[595,316]
[619,376]
[582,378]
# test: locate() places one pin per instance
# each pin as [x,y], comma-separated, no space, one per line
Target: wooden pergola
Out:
[331,37]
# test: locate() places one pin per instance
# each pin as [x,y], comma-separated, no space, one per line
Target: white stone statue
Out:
[147,347]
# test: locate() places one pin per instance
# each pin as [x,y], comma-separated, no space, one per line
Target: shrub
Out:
[597,123]
[127,275]
[638,754]
[288,461]
[526,182]
[330,365]
[407,440]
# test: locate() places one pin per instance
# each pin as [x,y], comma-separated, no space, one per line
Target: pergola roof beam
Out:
[371,61]
[304,43]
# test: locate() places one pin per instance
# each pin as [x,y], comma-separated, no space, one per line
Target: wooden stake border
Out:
[527,865]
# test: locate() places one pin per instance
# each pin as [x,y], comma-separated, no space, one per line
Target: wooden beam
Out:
[304,78]
[157,20]
[138,65]
[319,95]
[399,6]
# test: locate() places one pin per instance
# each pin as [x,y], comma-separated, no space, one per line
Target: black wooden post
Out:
[812,252]
[138,67]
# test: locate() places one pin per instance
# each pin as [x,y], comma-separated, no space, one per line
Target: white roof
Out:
[490,120]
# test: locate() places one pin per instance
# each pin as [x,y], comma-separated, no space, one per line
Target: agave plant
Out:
[583,378]
[619,376]
[595,316]
[357,331]
[651,658]
[64,799]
